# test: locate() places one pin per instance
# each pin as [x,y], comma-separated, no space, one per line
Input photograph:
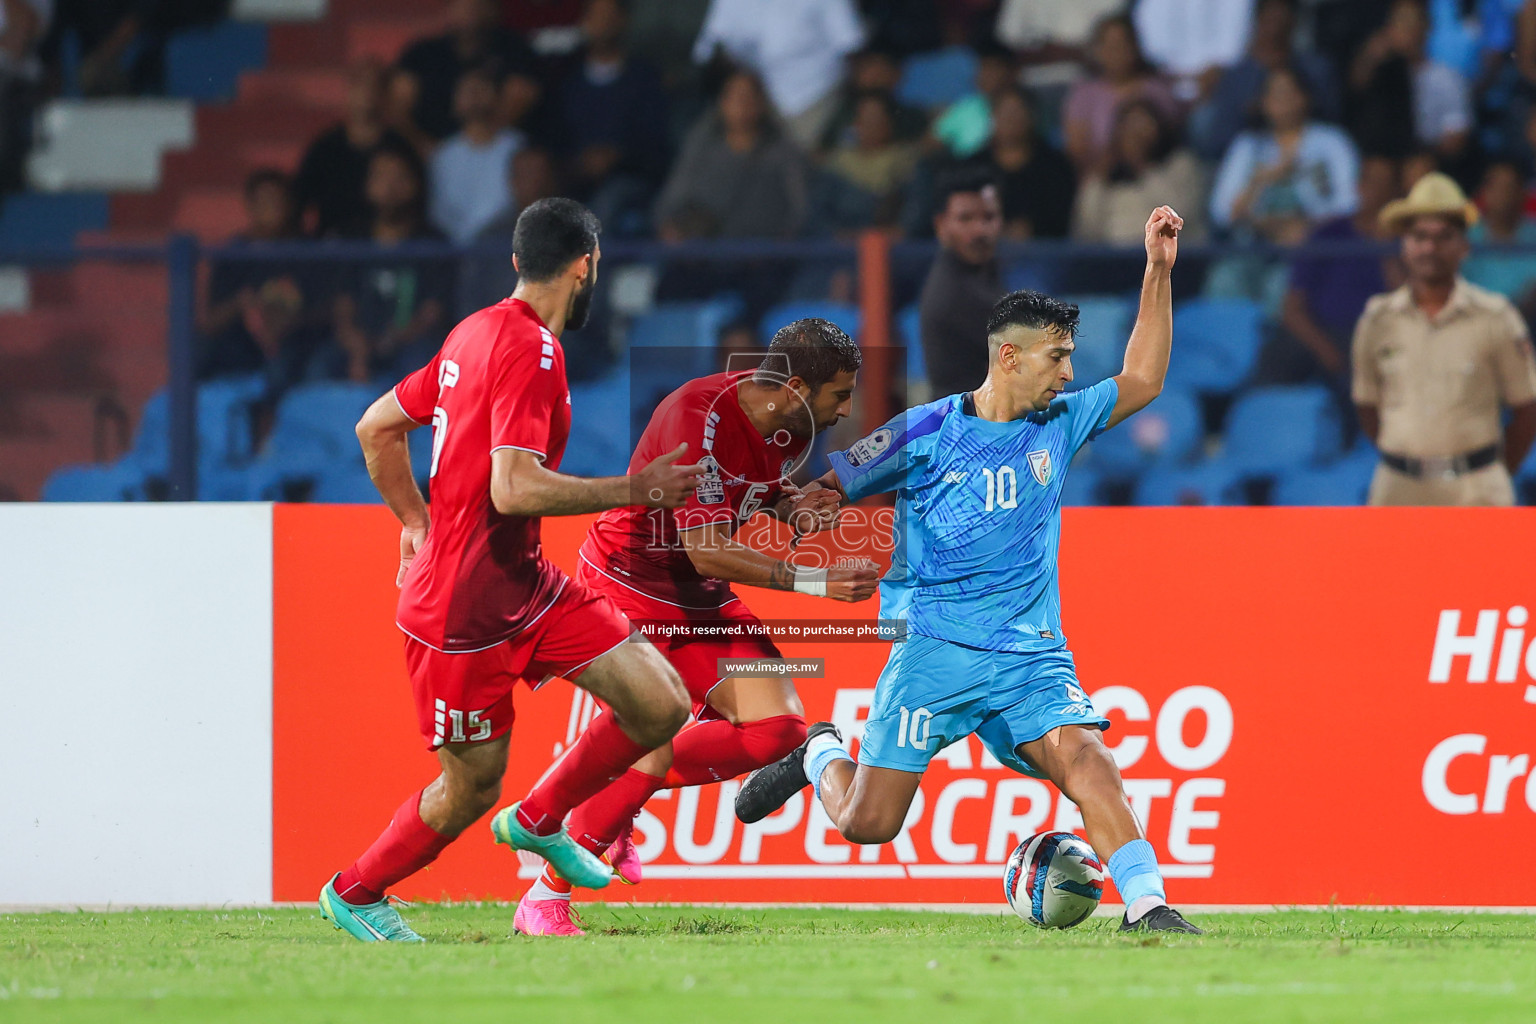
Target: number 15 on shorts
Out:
[451,723]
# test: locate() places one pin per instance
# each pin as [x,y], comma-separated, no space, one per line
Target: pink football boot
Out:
[624,858]
[546,917]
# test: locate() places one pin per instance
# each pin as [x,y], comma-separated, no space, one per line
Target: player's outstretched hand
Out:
[411,540]
[663,483]
[1163,229]
[852,584]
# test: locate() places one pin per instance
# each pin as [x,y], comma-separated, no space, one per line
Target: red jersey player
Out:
[480,606]
[676,567]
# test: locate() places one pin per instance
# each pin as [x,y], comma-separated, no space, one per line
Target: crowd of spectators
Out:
[1266,121]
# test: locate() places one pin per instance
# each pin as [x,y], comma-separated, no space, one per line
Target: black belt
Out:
[1455,465]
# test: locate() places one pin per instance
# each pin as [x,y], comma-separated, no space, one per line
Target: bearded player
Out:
[480,606]
[676,567]
[978,517]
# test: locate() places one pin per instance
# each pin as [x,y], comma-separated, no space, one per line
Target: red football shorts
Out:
[696,660]
[467,698]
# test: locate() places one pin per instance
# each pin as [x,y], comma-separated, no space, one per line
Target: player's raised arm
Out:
[522,486]
[1146,355]
[716,554]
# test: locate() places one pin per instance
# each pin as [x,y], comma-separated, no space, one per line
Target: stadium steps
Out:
[96,330]
[45,431]
[325,88]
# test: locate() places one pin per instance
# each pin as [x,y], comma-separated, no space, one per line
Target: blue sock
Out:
[819,756]
[1134,869]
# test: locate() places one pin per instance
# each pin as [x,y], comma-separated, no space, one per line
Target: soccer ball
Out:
[1054,880]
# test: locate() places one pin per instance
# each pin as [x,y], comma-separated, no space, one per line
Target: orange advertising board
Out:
[1308,705]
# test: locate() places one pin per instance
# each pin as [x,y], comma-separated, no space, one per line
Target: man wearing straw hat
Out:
[1435,362]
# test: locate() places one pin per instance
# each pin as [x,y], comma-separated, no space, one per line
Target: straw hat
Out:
[1433,194]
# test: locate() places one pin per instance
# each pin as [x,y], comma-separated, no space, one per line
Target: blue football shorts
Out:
[933,692]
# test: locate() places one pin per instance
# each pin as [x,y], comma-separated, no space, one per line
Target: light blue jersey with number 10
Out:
[978,515]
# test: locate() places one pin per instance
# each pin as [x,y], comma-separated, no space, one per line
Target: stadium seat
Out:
[683,337]
[1207,483]
[1165,433]
[1081,486]
[345,483]
[421,454]
[1216,342]
[224,439]
[1028,274]
[35,218]
[1274,429]
[684,324]
[909,326]
[313,430]
[604,424]
[937,79]
[94,483]
[845,315]
[205,63]
[1345,482]
[1103,328]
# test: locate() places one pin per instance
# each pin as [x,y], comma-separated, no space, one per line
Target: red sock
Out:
[599,757]
[716,751]
[598,822]
[407,845]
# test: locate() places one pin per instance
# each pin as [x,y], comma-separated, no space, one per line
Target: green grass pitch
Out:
[692,964]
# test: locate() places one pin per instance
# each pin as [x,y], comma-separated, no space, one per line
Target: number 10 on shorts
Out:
[915,728]
[451,724]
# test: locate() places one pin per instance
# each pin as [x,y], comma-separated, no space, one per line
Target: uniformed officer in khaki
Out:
[1436,361]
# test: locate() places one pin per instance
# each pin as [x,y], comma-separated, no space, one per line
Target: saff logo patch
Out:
[870,448]
[1040,465]
[711,489]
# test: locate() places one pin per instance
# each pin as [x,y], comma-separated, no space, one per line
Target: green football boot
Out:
[370,922]
[574,864]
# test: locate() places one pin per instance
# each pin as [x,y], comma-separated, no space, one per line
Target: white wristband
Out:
[811,581]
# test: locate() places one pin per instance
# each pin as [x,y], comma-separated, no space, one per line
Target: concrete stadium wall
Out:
[135,704]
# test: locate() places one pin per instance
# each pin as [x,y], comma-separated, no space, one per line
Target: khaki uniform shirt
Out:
[1439,385]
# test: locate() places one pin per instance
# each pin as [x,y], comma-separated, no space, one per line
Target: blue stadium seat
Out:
[683,337]
[1165,433]
[1215,344]
[844,314]
[94,483]
[420,441]
[1274,429]
[1030,275]
[224,439]
[345,483]
[937,79]
[684,324]
[36,218]
[1103,327]
[1345,482]
[909,324]
[1207,483]
[314,429]
[603,425]
[1081,486]
[205,63]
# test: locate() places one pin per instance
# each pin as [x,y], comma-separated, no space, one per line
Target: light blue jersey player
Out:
[973,573]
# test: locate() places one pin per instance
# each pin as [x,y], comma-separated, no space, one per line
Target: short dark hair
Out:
[812,349]
[1034,310]
[959,181]
[549,234]
[263,176]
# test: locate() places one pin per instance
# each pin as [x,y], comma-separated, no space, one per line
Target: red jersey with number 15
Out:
[498,382]
[638,547]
